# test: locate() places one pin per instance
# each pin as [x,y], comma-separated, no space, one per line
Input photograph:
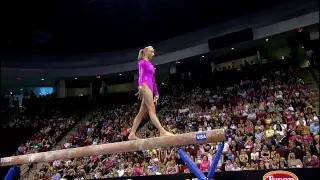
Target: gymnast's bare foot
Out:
[133,137]
[166,134]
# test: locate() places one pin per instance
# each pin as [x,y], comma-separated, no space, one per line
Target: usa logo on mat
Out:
[280,175]
[201,137]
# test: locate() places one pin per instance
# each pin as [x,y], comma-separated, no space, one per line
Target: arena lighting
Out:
[98,77]
[203,56]
[120,74]
[177,62]
[75,78]
[232,48]
[300,29]
[19,78]
[267,40]
[42,79]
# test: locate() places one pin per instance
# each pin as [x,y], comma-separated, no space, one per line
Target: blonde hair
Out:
[143,52]
[289,156]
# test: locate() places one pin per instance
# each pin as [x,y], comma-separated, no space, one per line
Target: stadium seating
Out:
[269,117]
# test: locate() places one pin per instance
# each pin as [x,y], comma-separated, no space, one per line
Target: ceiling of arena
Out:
[226,54]
[86,26]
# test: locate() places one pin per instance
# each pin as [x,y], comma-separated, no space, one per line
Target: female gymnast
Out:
[147,87]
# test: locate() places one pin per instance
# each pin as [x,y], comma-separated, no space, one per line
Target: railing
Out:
[24,170]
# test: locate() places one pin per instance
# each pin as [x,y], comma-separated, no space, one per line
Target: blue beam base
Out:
[193,167]
[12,173]
[216,161]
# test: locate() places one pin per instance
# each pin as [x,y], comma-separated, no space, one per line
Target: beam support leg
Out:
[215,161]
[193,167]
[12,173]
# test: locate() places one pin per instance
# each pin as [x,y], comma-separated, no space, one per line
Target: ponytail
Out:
[141,54]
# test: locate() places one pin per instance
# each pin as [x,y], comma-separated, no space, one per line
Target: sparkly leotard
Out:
[147,75]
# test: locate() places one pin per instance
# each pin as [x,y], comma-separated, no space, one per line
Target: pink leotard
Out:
[147,75]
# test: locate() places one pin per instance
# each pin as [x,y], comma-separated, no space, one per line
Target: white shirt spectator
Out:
[243,94]
[264,79]
[228,167]
[67,145]
[21,148]
[236,169]
[226,147]
[120,172]
[56,163]
[278,95]
[283,126]
[303,123]
[89,131]
[254,156]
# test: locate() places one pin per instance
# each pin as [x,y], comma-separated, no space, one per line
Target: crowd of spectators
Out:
[52,125]
[52,129]
[270,122]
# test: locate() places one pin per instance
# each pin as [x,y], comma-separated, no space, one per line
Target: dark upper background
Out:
[87,26]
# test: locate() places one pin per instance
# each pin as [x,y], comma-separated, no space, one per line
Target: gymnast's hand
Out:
[139,93]
[155,99]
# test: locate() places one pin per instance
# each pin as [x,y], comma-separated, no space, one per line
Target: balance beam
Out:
[125,146]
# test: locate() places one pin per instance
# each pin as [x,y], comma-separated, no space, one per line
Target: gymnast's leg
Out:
[142,112]
[148,100]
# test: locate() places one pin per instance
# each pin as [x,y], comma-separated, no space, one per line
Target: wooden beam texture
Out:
[203,137]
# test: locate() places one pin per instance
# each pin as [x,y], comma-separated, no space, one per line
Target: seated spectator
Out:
[254,156]
[248,167]
[172,168]
[153,168]
[229,166]
[205,164]
[293,162]
[259,134]
[314,126]
[137,171]
[230,156]
[236,167]
[265,153]
[310,161]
